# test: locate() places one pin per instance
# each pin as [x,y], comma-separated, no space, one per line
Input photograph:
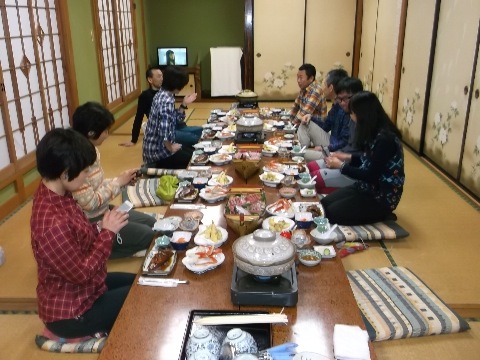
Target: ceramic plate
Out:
[200,238]
[213,181]
[167,224]
[278,177]
[308,192]
[211,198]
[288,223]
[330,253]
[220,159]
[274,166]
[301,206]
[283,212]
[227,149]
[164,270]
[193,263]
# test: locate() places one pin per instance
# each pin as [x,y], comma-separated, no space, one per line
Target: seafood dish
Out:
[187,193]
[278,224]
[247,204]
[213,193]
[283,207]
[200,159]
[159,262]
[274,166]
[247,155]
[203,258]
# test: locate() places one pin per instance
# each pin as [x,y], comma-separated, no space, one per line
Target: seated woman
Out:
[76,296]
[93,120]
[378,171]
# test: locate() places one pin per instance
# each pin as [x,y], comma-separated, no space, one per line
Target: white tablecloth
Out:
[226,71]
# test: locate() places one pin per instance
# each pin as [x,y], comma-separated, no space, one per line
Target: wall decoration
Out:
[476,152]
[442,125]
[272,80]
[409,107]
[382,89]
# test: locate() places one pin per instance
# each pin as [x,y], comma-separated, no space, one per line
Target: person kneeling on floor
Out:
[76,296]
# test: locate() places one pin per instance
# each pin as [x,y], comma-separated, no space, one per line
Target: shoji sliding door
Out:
[32,90]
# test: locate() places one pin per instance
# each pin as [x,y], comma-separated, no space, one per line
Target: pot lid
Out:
[246,93]
[249,121]
[263,248]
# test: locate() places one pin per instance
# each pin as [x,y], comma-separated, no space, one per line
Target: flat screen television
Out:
[172,56]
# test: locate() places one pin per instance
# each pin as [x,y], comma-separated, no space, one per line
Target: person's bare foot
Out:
[127,144]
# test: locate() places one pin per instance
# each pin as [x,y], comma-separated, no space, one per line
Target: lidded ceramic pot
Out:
[263,253]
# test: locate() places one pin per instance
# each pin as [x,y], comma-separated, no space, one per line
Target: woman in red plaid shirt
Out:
[76,296]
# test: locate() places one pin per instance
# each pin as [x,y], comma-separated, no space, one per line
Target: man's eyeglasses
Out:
[343,98]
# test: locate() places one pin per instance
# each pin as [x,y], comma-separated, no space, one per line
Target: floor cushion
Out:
[385,230]
[92,345]
[396,304]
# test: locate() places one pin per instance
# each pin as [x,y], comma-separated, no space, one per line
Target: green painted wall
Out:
[84,50]
[197,24]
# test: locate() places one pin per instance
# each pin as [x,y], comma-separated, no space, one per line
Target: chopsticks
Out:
[243,319]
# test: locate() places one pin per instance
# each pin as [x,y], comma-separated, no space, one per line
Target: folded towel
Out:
[226,78]
[350,343]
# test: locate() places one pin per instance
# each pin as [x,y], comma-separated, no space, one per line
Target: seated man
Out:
[160,147]
[310,100]
[332,133]
[330,179]
[185,135]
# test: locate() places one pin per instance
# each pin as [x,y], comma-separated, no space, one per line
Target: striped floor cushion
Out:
[89,346]
[142,194]
[385,230]
[396,304]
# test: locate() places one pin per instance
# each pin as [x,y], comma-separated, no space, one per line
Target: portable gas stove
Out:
[281,290]
[254,137]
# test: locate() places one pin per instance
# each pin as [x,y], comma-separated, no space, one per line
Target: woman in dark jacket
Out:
[378,170]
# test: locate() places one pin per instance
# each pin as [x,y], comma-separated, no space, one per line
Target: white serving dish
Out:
[272,183]
[200,238]
[308,192]
[290,213]
[194,263]
[167,224]
[220,159]
[331,253]
[213,181]
[289,223]
[211,198]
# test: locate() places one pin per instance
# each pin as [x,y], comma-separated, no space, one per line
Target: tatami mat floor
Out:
[441,250]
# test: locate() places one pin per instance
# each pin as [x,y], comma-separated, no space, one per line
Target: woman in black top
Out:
[378,170]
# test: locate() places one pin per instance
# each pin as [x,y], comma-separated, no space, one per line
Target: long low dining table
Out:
[153,321]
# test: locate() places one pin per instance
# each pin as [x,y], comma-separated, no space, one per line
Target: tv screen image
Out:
[172,56]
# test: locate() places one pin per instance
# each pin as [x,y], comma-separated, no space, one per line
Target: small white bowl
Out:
[309,257]
[177,235]
[303,185]
[272,183]
[288,136]
[308,192]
